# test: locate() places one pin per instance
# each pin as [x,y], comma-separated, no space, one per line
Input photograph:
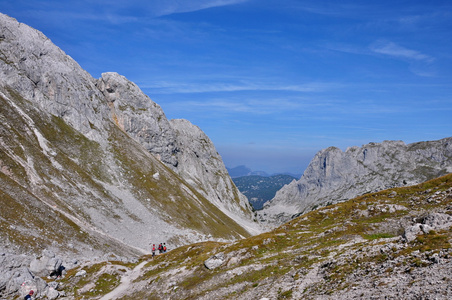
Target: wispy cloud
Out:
[66,16]
[123,12]
[247,105]
[392,49]
[217,87]
[350,49]
[169,7]
[420,64]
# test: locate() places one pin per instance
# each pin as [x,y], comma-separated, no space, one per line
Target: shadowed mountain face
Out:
[93,166]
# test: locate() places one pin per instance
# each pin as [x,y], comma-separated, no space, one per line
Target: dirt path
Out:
[126,279]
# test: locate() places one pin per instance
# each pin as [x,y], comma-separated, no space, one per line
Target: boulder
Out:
[52,293]
[433,221]
[411,232]
[80,273]
[13,274]
[438,221]
[47,264]
[215,261]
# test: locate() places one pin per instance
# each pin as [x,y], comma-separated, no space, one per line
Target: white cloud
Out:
[124,12]
[196,87]
[163,8]
[256,107]
[392,49]
[59,16]
[420,64]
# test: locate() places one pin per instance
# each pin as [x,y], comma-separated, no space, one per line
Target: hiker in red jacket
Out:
[30,294]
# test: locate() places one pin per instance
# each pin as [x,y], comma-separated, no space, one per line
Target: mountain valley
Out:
[260,189]
[92,174]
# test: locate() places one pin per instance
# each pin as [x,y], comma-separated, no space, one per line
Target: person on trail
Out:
[160,248]
[153,250]
[28,297]
[164,247]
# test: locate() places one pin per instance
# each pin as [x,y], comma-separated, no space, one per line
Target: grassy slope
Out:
[339,240]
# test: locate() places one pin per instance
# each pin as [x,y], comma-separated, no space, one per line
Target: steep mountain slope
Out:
[333,175]
[393,244]
[179,144]
[117,189]
[200,163]
[259,189]
[90,166]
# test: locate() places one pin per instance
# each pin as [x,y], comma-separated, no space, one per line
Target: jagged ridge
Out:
[333,175]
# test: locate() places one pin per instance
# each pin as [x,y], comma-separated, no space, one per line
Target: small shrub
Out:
[285,295]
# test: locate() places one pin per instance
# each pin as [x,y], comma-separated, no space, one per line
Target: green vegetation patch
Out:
[99,280]
[432,241]
[104,284]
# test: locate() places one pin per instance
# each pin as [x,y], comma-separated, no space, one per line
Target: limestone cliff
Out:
[94,163]
[334,176]
[180,145]
[202,167]
[42,73]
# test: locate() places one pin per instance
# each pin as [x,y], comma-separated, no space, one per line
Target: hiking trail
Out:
[126,279]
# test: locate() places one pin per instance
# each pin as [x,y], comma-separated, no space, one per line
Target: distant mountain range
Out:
[259,186]
[243,170]
[260,189]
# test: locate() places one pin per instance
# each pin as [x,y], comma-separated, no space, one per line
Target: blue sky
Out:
[270,82]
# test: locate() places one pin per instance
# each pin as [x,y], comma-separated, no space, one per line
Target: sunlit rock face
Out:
[93,166]
[334,175]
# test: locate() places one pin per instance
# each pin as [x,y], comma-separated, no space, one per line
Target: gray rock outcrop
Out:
[41,72]
[333,175]
[433,221]
[99,157]
[214,261]
[202,167]
[20,274]
[139,116]
[48,264]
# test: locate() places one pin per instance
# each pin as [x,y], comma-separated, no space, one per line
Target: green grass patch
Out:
[432,241]
[104,284]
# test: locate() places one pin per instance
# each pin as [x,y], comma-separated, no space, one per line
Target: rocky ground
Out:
[394,244]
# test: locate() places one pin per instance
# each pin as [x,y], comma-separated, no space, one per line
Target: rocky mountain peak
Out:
[41,72]
[96,160]
[333,175]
